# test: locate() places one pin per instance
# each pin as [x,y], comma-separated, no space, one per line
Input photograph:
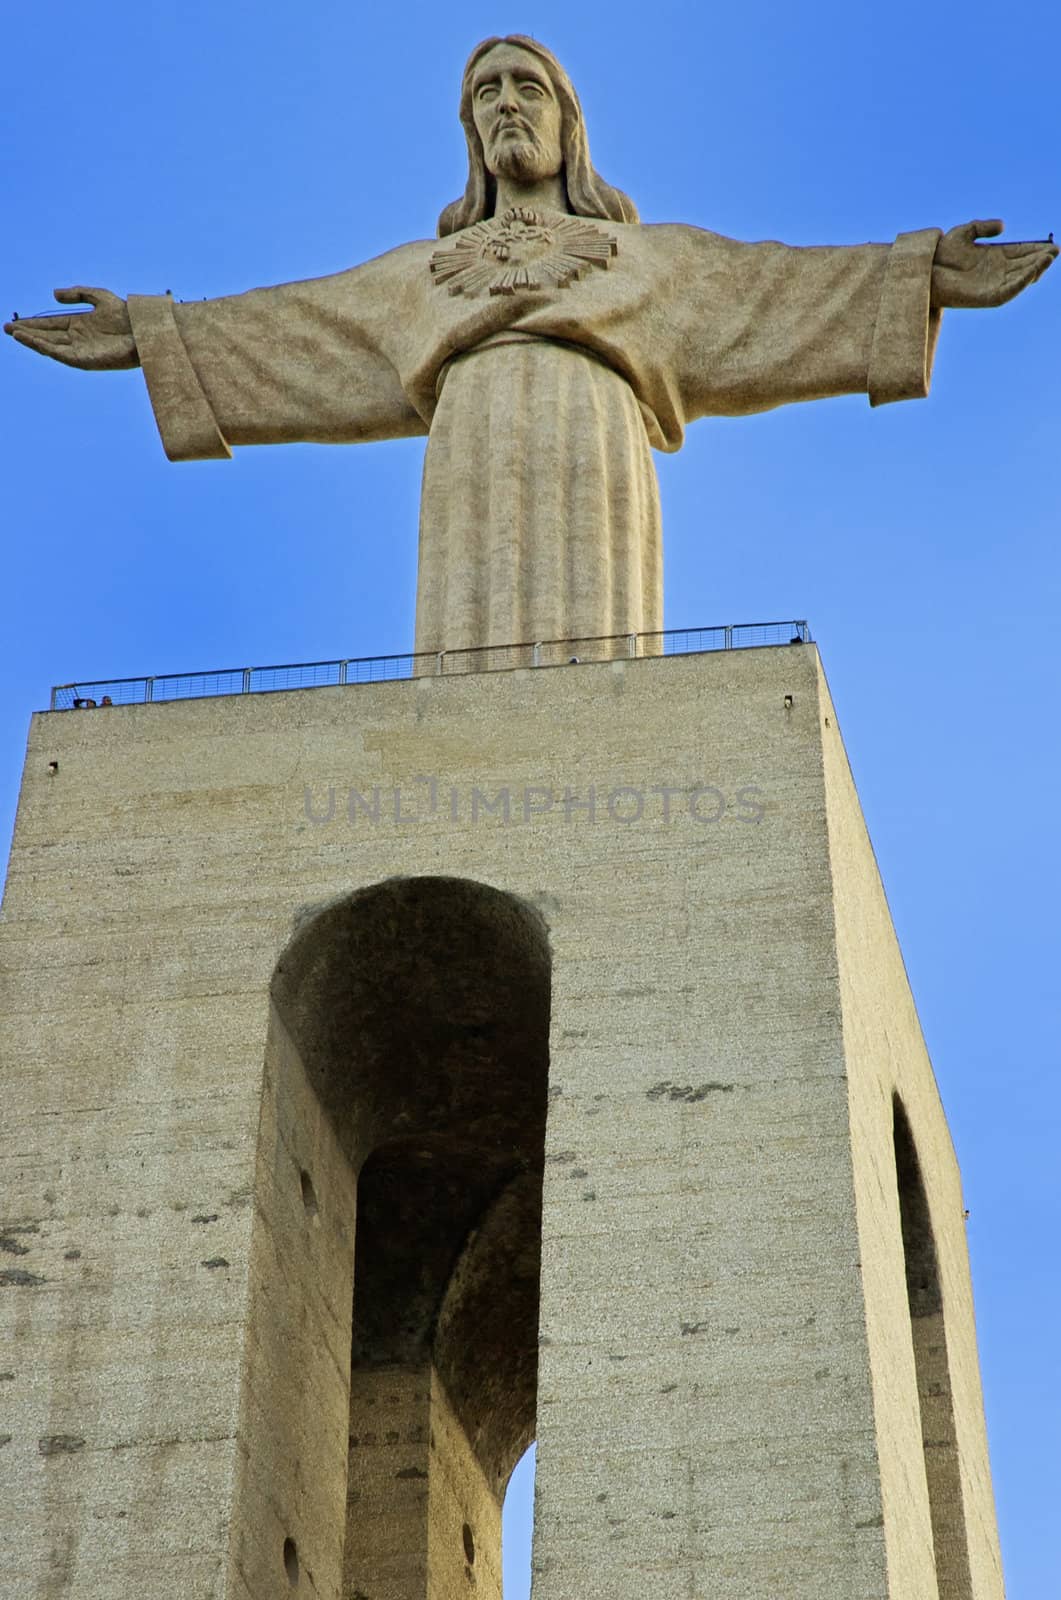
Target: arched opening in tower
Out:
[413,1020]
[931,1362]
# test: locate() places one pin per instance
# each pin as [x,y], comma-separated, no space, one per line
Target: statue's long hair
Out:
[587,193]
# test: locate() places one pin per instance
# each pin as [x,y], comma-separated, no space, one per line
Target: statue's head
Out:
[553,138]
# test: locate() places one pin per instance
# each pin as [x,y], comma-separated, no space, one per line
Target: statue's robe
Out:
[540,512]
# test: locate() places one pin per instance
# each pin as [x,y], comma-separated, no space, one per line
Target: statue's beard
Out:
[523,162]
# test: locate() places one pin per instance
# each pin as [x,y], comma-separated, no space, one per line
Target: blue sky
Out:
[215,148]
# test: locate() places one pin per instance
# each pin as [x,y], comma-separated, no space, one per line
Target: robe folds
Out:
[541,395]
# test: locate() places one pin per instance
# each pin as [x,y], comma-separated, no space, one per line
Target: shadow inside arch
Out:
[390,1376]
[928,1331]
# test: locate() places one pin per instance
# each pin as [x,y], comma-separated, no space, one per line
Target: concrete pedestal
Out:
[757,1369]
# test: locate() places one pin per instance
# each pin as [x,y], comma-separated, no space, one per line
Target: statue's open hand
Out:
[100,340]
[965,273]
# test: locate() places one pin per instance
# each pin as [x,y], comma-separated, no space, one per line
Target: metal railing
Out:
[87,694]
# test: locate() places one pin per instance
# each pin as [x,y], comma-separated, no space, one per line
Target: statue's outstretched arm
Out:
[768,324]
[776,324]
[968,274]
[100,340]
[299,361]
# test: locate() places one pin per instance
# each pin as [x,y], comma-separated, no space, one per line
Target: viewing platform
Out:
[91,694]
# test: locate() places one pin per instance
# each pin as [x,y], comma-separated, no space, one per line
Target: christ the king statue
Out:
[543,343]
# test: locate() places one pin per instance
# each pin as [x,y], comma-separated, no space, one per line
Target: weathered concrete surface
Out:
[883,1041]
[728,1383]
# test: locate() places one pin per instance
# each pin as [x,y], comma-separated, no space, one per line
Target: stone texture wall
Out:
[727,1393]
[887,1058]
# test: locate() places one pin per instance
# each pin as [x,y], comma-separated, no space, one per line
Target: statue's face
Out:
[517,115]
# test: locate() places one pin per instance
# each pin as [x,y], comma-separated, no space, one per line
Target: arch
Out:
[932,1366]
[392,1359]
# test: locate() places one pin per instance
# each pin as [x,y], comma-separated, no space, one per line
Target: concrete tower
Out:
[397,1073]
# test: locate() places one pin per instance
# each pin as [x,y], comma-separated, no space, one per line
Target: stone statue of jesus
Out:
[543,344]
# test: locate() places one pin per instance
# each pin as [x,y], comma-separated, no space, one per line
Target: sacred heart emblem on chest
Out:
[522,249]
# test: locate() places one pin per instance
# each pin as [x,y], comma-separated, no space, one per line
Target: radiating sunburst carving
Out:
[522,249]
